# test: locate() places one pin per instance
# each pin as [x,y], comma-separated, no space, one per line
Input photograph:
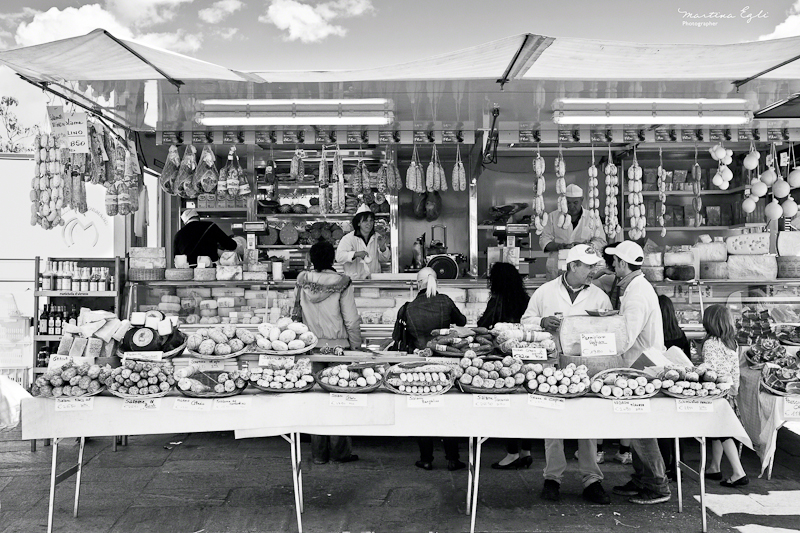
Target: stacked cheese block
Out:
[97,335]
[679,264]
[653,266]
[749,257]
[142,261]
[713,257]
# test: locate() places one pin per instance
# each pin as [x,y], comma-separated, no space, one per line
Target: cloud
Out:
[219,11]
[790,27]
[313,23]
[143,13]
[179,41]
[226,33]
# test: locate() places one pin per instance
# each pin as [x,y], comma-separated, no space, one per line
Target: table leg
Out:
[78,478]
[470,473]
[52,487]
[702,475]
[678,473]
[299,470]
[291,440]
[480,440]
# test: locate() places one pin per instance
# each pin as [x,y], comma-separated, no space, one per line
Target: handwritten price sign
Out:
[595,344]
[694,406]
[58,124]
[791,407]
[631,406]
[348,400]
[546,402]
[232,404]
[74,404]
[145,404]
[77,133]
[490,400]
[191,404]
[422,402]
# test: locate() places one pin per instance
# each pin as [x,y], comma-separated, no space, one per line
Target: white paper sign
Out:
[266,359]
[232,404]
[191,404]
[546,402]
[58,124]
[631,406]
[74,404]
[791,407]
[208,366]
[449,361]
[593,344]
[77,133]
[422,402]
[490,400]
[57,361]
[153,357]
[348,400]
[694,406]
[533,353]
[144,404]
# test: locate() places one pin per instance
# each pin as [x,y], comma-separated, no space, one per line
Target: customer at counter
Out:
[507,302]
[325,300]
[200,237]
[581,230]
[639,306]
[570,294]
[362,250]
[427,312]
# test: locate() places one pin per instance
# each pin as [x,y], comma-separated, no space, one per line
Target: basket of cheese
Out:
[280,374]
[151,332]
[219,343]
[285,337]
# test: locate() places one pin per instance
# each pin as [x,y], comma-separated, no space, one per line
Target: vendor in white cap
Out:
[582,229]
[362,250]
[200,237]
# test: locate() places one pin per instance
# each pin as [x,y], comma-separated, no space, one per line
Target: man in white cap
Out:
[639,306]
[200,237]
[581,229]
[570,294]
[362,250]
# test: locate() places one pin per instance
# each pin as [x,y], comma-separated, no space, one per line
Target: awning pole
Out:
[173,81]
[739,83]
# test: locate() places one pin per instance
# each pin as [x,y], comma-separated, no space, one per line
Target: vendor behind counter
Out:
[200,238]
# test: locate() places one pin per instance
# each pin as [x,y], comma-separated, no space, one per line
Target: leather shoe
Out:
[742,481]
[550,490]
[424,465]
[455,465]
[513,465]
[525,461]
[349,459]
[594,493]
[715,476]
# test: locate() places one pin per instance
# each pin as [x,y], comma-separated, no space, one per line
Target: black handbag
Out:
[402,341]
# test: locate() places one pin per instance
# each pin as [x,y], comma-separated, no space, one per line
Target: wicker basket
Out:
[213,357]
[397,369]
[666,392]
[87,395]
[146,274]
[776,392]
[347,390]
[789,267]
[629,372]
[469,389]
[281,390]
[179,274]
[139,396]
[287,352]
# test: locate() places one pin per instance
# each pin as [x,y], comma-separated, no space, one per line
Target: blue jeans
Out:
[648,465]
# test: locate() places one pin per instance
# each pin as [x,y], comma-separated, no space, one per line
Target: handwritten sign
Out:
[57,361]
[153,357]
[58,124]
[694,406]
[267,359]
[232,404]
[631,406]
[531,353]
[207,366]
[191,404]
[143,404]
[348,400]
[449,361]
[77,133]
[791,407]
[594,344]
[424,402]
[490,400]
[386,137]
[74,404]
[546,402]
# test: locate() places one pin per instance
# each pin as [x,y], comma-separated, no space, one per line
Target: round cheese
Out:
[679,272]
[144,339]
[169,307]
[711,252]
[205,274]
[169,299]
[748,244]
[208,304]
[178,274]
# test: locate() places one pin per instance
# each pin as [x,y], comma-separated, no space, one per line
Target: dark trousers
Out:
[326,448]
[667,447]
[426,448]
[514,445]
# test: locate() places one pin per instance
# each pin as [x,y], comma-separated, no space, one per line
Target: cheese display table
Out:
[459,415]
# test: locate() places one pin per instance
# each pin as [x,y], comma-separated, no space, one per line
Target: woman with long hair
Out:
[720,354]
[362,250]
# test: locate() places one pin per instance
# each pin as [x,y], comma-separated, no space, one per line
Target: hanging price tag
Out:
[491,400]
[232,404]
[74,404]
[791,407]
[191,404]
[631,406]
[546,402]
[348,400]
[145,404]
[694,406]
[423,402]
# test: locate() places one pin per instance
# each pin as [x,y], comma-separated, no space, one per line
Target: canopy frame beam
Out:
[173,81]
[739,83]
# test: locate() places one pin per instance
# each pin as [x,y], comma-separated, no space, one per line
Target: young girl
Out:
[719,353]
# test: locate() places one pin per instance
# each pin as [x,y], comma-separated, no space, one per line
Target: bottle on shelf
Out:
[57,322]
[102,284]
[84,279]
[76,279]
[42,325]
[94,280]
[73,317]
[51,321]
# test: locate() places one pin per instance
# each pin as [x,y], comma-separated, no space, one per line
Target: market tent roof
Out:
[782,109]
[99,56]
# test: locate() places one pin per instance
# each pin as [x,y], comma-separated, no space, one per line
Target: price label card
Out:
[688,135]
[77,136]
[207,366]
[354,137]
[191,404]
[386,137]
[58,124]
[593,344]
[263,137]
[449,361]
[631,406]
[145,356]
[534,353]
[424,402]
[348,400]
[791,407]
[74,404]
[546,402]
[267,359]
[232,404]
[695,406]
[491,400]
[145,404]
[200,137]
[57,361]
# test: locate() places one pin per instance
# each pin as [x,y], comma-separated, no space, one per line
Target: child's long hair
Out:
[718,323]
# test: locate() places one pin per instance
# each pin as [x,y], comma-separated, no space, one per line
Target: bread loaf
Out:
[752,267]
[748,244]
[714,269]
[711,252]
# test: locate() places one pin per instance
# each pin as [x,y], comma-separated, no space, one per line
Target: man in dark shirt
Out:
[200,237]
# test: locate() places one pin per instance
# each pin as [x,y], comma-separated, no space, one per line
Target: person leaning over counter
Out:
[570,294]
[639,306]
[583,229]
[362,250]
[200,237]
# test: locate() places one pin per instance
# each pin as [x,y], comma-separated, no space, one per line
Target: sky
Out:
[339,34]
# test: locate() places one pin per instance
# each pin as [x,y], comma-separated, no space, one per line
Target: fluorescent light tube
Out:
[297,102]
[649,119]
[329,120]
[651,101]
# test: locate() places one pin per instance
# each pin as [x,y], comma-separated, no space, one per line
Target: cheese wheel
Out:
[205,274]
[188,304]
[178,274]
[714,269]
[748,244]
[651,274]
[678,259]
[752,267]
[250,295]
[144,339]
[289,234]
[208,312]
[169,299]
[209,304]
[225,311]
[226,301]
[789,243]
[169,307]
[255,276]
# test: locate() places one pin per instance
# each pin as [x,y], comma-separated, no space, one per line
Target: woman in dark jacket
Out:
[507,303]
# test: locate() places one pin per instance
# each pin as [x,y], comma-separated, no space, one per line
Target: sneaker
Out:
[594,493]
[648,497]
[550,490]
[624,458]
[628,489]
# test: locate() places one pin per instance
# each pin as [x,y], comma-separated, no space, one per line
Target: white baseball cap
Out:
[628,251]
[188,215]
[573,191]
[363,208]
[583,253]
